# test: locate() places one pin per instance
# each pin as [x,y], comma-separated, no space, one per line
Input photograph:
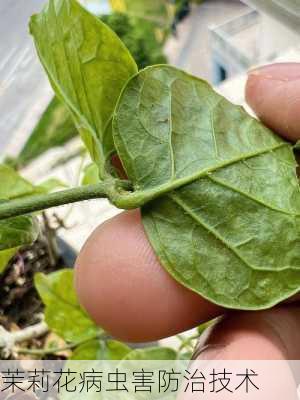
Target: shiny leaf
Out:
[87,65]
[226,219]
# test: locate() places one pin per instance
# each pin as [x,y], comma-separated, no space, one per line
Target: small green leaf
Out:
[63,313]
[18,231]
[6,256]
[54,129]
[226,219]
[90,175]
[12,184]
[15,232]
[101,350]
[50,185]
[87,65]
[151,353]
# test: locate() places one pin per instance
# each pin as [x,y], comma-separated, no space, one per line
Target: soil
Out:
[19,301]
[20,304]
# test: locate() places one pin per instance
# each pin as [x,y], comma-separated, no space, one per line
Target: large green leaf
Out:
[63,313]
[226,220]
[55,128]
[87,65]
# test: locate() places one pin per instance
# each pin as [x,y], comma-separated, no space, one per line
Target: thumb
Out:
[273,92]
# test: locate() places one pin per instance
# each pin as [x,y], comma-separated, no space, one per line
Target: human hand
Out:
[122,285]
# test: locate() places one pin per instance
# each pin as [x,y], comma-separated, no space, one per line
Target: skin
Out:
[124,288]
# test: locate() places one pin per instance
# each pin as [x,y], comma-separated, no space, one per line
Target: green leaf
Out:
[63,313]
[226,219]
[15,232]
[90,175]
[50,185]
[101,350]
[18,231]
[12,184]
[6,256]
[151,353]
[54,129]
[87,65]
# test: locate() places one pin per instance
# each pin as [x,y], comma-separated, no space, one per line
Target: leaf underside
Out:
[229,226]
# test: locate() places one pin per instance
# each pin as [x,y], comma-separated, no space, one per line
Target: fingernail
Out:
[284,72]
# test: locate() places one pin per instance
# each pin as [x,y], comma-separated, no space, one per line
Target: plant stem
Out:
[26,205]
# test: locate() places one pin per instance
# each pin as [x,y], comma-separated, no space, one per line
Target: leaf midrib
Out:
[141,197]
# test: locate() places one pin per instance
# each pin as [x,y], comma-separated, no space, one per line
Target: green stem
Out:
[26,205]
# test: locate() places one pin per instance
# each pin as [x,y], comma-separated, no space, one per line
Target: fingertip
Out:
[273,92]
[263,335]
[126,291]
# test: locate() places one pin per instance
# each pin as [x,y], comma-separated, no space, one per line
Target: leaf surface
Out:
[54,129]
[63,313]
[226,219]
[18,231]
[90,175]
[6,256]
[15,232]
[12,184]
[50,185]
[87,65]
[101,350]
